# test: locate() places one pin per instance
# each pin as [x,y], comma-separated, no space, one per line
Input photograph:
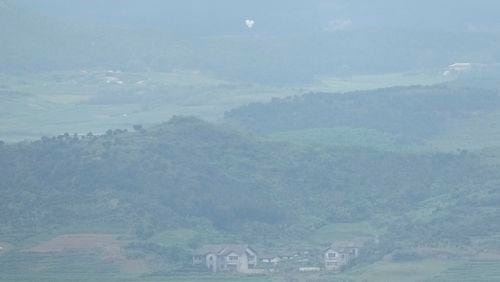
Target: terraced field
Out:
[472,271]
[23,266]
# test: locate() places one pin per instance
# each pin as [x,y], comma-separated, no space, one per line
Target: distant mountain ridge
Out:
[276,50]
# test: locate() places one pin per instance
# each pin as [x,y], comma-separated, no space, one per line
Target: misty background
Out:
[291,41]
[134,134]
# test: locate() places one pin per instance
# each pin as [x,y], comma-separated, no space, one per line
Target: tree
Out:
[138,128]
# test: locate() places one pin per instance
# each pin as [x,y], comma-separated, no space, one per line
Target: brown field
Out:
[109,247]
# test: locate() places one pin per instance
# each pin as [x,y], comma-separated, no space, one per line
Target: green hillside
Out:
[132,133]
[441,117]
[190,175]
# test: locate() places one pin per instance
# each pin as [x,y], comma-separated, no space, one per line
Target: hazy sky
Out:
[220,16]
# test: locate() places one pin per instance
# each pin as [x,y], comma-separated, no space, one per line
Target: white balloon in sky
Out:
[250,23]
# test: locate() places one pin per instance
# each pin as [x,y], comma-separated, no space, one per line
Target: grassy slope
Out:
[340,137]
[478,132]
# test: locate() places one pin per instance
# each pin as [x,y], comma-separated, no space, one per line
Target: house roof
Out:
[222,249]
[344,246]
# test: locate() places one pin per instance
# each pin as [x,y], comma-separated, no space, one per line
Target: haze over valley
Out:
[249,140]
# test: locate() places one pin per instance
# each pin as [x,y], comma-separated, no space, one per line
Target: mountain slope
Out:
[411,114]
[186,169]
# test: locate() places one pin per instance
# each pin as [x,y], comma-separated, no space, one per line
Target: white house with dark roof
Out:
[226,257]
[340,254]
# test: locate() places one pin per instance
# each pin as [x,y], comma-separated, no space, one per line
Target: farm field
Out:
[100,257]
[471,271]
[367,82]
[95,101]
[69,268]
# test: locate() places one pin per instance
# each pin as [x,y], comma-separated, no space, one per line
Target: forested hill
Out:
[411,113]
[186,171]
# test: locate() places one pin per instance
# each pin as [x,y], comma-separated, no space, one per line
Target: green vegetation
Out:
[343,232]
[169,188]
[432,118]
[396,144]
[339,137]
[487,271]
[400,271]
[286,49]
[370,82]
[174,186]
[96,100]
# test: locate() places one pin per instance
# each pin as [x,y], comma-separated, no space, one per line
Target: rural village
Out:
[242,258]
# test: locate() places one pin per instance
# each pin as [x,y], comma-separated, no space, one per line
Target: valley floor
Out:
[425,270]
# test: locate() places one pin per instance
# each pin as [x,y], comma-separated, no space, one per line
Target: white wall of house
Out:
[232,261]
[235,262]
[335,260]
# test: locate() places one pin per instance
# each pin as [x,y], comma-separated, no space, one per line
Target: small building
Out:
[226,257]
[340,254]
[274,259]
[277,257]
[288,255]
